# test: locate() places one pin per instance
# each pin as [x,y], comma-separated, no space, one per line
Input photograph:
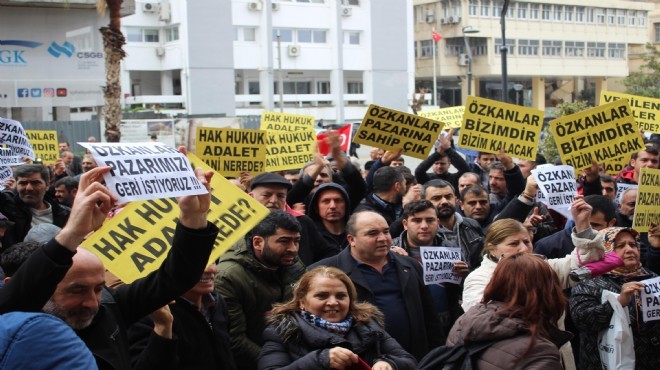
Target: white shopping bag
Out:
[615,344]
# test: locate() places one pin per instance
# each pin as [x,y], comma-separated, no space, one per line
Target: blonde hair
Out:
[500,230]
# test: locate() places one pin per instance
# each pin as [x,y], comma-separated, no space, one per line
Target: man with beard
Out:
[30,205]
[256,272]
[626,209]
[65,190]
[389,187]
[391,282]
[480,166]
[74,278]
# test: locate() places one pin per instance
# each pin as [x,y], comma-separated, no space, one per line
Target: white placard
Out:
[651,299]
[557,183]
[13,135]
[5,174]
[620,188]
[142,171]
[438,263]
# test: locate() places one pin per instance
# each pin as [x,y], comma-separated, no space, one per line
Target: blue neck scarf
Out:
[340,328]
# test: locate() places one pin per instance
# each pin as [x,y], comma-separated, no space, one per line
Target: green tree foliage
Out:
[547,146]
[646,82]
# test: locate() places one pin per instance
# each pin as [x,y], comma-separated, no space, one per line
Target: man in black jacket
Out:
[68,281]
[391,282]
[441,159]
[29,204]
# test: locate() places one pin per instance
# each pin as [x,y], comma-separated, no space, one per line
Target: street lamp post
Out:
[467,30]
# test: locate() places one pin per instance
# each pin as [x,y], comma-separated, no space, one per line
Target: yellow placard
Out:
[616,165]
[647,206]
[604,133]
[285,121]
[452,116]
[645,110]
[290,150]
[230,151]
[489,126]
[391,129]
[44,144]
[135,242]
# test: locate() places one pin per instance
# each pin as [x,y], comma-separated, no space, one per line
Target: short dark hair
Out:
[496,166]
[368,164]
[540,159]
[417,206]
[409,177]
[69,182]
[648,148]
[475,189]
[601,204]
[13,257]
[385,178]
[479,154]
[399,159]
[437,183]
[30,169]
[609,179]
[276,220]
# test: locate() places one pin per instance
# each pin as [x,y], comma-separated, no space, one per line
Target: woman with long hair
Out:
[324,327]
[521,306]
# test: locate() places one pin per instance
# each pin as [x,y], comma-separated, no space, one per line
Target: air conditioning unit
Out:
[165,13]
[275,6]
[254,6]
[346,11]
[149,7]
[294,50]
[443,20]
[430,18]
[454,19]
[160,51]
[463,60]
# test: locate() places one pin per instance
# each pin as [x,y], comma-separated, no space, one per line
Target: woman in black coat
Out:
[323,327]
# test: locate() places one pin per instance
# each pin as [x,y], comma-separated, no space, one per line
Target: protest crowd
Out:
[321,261]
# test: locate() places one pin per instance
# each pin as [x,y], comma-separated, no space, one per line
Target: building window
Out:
[151,35]
[641,18]
[522,10]
[611,13]
[133,34]
[558,9]
[590,15]
[596,49]
[246,34]
[574,48]
[552,48]
[454,46]
[497,8]
[533,11]
[352,37]
[426,49]
[485,8]
[510,44]
[323,87]
[479,46]
[568,13]
[311,36]
[253,88]
[286,35]
[172,34]
[311,1]
[657,32]
[579,14]
[511,12]
[350,2]
[293,87]
[600,15]
[528,47]
[545,12]
[354,87]
[631,18]
[621,17]
[616,51]
[473,8]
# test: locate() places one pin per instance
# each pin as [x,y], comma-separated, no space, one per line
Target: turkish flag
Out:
[344,135]
[436,36]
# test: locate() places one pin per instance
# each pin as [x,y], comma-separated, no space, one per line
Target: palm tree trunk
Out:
[113,42]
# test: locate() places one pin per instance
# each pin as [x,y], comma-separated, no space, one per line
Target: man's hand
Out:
[389,156]
[92,203]
[534,219]
[460,269]
[413,194]
[581,212]
[334,142]
[313,170]
[398,250]
[654,235]
[506,161]
[531,187]
[194,208]
[10,183]
[445,141]
[163,321]
[60,168]
[382,365]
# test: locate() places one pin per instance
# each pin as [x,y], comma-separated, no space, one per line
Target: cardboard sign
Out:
[489,126]
[285,121]
[7,158]
[438,263]
[5,174]
[452,116]
[616,165]
[142,171]
[390,129]
[44,143]
[557,183]
[651,299]
[135,241]
[289,150]
[646,111]
[647,206]
[230,151]
[13,136]
[604,133]
[620,189]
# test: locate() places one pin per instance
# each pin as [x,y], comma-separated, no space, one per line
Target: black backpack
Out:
[458,357]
